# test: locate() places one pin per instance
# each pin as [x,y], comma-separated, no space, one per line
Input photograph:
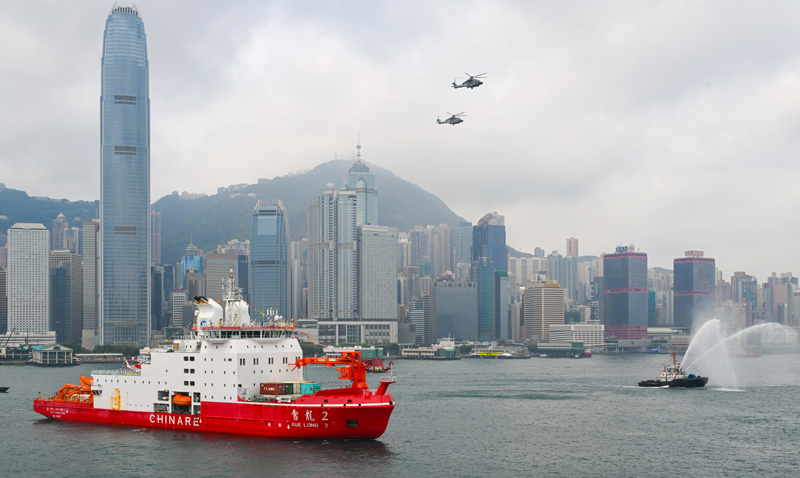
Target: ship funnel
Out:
[209,313]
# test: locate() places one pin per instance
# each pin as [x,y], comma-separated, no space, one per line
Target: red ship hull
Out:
[365,417]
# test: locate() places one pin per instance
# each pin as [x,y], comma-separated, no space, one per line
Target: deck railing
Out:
[124,371]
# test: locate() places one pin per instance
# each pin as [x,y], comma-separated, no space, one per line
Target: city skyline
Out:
[598,124]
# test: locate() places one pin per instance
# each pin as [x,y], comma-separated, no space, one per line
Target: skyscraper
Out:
[66,295]
[60,226]
[489,241]
[333,256]
[3,301]
[269,258]
[217,268]
[29,279]
[694,290]
[360,180]
[572,247]
[454,308]
[544,306]
[463,246]
[483,275]
[377,272]
[125,179]
[625,294]
[155,238]
[91,291]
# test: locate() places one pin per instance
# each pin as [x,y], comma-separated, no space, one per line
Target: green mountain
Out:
[213,220]
[17,206]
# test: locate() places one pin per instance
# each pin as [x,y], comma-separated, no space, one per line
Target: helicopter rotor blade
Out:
[478,76]
[462,113]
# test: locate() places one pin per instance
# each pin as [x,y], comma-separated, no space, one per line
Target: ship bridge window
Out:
[185,358]
[191,359]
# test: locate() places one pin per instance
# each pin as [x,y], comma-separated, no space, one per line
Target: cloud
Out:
[672,125]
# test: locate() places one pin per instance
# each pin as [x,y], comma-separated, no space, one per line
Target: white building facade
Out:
[377,272]
[29,279]
[590,334]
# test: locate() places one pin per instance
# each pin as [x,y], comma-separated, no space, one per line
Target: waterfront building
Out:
[483,275]
[625,294]
[155,238]
[217,268]
[544,306]
[572,247]
[29,279]
[90,335]
[269,258]
[489,241]
[454,309]
[377,272]
[3,301]
[357,332]
[591,335]
[66,295]
[501,321]
[125,179]
[3,257]
[58,234]
[694,290]
[538,252]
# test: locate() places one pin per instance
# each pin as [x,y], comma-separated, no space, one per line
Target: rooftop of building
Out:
[28,225]
[124,7]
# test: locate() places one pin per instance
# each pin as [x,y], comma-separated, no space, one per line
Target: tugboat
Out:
[675,377]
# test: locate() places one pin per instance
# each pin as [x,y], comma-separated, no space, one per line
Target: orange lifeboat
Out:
[182,400]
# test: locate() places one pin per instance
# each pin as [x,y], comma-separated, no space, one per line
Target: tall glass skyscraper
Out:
[625,294]
[125,179]
[269,254]
[489,241]
[694,289]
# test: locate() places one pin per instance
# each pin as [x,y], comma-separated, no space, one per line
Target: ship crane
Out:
[354,369]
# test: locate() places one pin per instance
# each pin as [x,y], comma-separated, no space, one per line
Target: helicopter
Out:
[453,120]
[473,82]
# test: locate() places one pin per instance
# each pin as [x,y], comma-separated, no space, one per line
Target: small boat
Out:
[543,355]
[3,389]
[587,353]
[675,377]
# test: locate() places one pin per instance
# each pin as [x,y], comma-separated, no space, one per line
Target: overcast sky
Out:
[670,125]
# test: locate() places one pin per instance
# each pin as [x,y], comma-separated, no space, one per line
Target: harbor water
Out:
[537,417]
